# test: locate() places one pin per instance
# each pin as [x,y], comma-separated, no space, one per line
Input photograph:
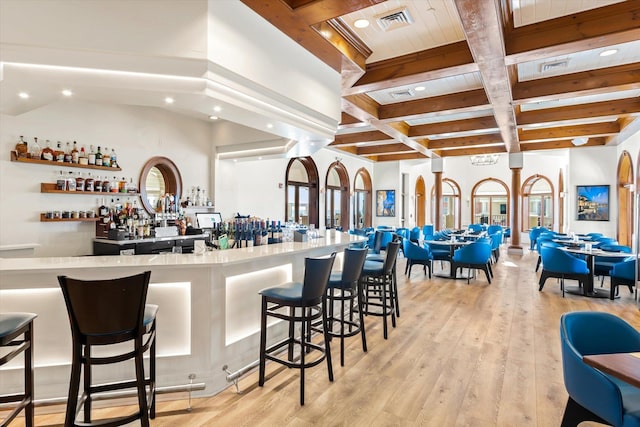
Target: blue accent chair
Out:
[496,241]
[475,228]
[414,234]
[416,255]
[476,255]
[594,395]
[507,233]
[494,228]
[562,265]
[533,236]
[428,232]
[623,273]
[547,242]
[603,264]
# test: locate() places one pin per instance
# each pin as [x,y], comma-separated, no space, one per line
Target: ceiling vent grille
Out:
[554,66]
[395,19]
[401,94]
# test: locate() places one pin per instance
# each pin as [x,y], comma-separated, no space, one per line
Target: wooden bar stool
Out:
[102,313]
[345,287]
[16,330]
[309,299]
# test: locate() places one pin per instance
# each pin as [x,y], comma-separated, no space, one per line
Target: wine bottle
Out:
[98,157]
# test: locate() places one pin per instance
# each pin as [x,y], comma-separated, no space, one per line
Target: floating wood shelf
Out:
[15,158]
[44,219]
[49,187]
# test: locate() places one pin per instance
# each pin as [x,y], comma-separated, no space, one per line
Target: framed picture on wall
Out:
[386,203]
[592,202]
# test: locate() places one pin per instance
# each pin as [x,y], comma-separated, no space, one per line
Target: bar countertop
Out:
[209,258]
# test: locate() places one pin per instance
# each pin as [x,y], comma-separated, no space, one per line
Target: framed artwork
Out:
[592,202]
[386,203]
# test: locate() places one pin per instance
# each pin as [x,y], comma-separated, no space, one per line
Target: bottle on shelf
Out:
[75,154]
[106,158]
[61,181]
[59,153]
[114,158]
[79,182]
[97,184]
[98,157]
[67,153]
[115,185]
[92,156]
[21,148]
[47,152]
[122,185]
[34,150]
[71,182]
[89,183]
[132,188]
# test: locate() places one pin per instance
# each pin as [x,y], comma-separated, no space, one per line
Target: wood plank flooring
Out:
[461,355]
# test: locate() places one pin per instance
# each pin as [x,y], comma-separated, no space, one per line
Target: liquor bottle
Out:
[79,182]
[122,185]
[82,157]
[106,158]
[47,152]
[97,184]
[131,187]
[75,154]
[92,155]
[114,185]
[106,185]
[21,148]
[114,158]
[67,153]
[103,212]
[61,181]
[59,154]
[71,182]
[35,151]
[89,183]
[98,157]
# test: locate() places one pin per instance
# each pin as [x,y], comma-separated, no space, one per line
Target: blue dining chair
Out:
[594,395]
[414,234]
[496,240]
[547,242]
[533,236]
[562,265]
[416,255]
[623,273]
[475,228]
[493,228]
[427,232]
[602,265]
[476,255]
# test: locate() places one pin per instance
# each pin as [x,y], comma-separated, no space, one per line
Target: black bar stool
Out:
[343,287]
[310,298]
[105,312]
[378,286]
[16,330]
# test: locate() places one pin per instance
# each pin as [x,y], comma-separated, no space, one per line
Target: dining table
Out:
[588,290]
[624,366]
[453,244]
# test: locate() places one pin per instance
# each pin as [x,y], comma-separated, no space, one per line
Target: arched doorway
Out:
[336,206]
[561,201]
[490,202]
[301,199]
[625,199]
[421,201]
[451,208]
[362,199]
[537,202]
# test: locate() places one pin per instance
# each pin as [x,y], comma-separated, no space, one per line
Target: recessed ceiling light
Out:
[579,141]
[67,92]
[269,125]
[361,23]
[419,88]
[23,95]
[214,117]
[168,100]
[217,108]
[608,52]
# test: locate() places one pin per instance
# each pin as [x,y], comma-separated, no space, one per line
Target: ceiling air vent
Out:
[394,19]
[401,94]
[554,66]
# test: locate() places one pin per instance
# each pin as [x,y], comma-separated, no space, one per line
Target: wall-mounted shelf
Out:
[48,187]
[15,158]
[43,218]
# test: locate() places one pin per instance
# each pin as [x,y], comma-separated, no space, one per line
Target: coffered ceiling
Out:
[438,78]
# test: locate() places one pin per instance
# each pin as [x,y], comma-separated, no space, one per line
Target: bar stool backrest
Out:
[106,311]
[316,277]
[353,263]
[390,259]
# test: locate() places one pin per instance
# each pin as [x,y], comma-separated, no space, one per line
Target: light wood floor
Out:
[461,355]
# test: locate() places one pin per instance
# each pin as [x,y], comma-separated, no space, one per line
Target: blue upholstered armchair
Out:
[475,228]
[414,234]
[594,395]
[416,255]
[563,265]
[494,228]
[533,236]
[496,241]
[603,264]
[476,255]
[623,273]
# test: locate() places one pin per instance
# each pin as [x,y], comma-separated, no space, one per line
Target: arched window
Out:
[625,199]
[490,202]
[451,216]
[421,201]
[336,205]
[302,191]
[363,199]
[537,203]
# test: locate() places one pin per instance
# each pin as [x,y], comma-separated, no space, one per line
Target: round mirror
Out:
[159,176]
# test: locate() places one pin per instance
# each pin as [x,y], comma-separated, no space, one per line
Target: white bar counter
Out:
[209,312]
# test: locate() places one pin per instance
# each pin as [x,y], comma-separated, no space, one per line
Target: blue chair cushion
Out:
[290,291]
[376,257]
[372,268]
[335,281]
[150,311]
[11,322]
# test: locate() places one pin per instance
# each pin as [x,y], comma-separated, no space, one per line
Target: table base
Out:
[576,290]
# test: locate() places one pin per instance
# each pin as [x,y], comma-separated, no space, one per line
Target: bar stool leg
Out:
[361,316]
[263,341]
[325,333]
[74,387]
[303,334]
[28,377]
[152,374]
[87,384]
[341,327]
[142,395]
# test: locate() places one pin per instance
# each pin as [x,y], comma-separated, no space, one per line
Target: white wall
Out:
[137,134]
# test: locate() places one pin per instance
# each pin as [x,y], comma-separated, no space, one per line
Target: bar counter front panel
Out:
[209,313]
